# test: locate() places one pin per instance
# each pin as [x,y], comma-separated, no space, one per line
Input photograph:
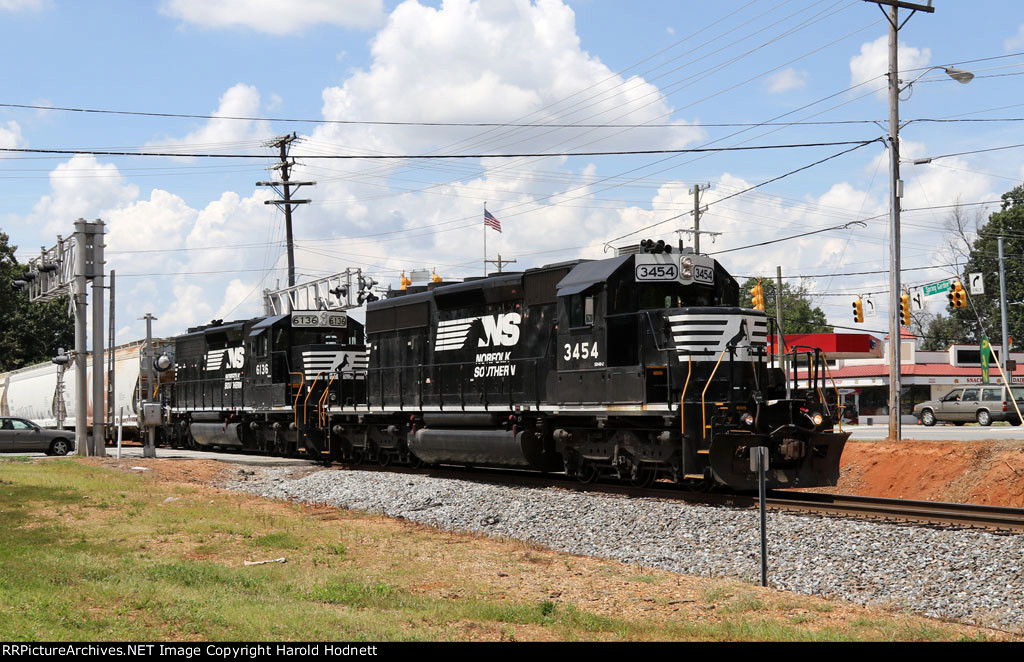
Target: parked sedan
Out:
[23,436]
[983,404]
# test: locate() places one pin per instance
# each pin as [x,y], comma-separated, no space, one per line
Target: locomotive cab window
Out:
[581,310]
[673,295]
[261,344]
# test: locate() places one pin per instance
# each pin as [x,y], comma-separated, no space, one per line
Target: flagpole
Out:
[485,240]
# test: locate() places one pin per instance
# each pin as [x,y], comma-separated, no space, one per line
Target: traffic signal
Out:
[757,296]
[905,309]
[858,310]
[957,296]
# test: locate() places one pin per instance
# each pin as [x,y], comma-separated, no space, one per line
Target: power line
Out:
[693,150]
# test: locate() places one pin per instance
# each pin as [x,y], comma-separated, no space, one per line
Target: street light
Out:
[895,193]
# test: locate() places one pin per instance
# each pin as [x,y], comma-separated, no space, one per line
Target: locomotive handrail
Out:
[305,403]
[298,393]
[703,407]
[321,403]
[682,396]
[436,370]
[654,332]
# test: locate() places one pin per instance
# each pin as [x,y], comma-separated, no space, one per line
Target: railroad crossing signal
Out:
[757,295]
[957,296]
[858,310]
[905,309]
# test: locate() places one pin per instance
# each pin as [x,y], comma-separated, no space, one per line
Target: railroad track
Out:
[991,518]
[995,518]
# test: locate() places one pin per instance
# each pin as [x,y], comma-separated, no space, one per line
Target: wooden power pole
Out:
[284,188]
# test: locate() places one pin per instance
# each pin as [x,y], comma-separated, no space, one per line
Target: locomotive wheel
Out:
[383,458]
[587,473]
[642,477]
[415,462]
[702,485]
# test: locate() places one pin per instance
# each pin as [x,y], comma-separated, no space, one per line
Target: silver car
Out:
[19,435]
[983,404]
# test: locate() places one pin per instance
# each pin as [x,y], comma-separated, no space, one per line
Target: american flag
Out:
[490,221]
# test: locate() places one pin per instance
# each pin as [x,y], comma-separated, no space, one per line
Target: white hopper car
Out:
[31,392]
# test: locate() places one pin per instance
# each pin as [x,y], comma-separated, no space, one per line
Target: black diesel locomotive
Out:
[636,367]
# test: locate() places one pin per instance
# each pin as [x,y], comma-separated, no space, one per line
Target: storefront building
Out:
[858,367]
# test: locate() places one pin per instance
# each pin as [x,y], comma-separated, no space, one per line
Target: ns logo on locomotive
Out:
[637,367]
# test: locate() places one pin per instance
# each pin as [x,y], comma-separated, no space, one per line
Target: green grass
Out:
[92,554]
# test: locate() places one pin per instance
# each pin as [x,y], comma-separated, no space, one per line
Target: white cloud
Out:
[873,62]
[275,17]
[240,100]
[1015,42]
[81,187]
[786,80]
[464,62]
[10,135]
[25,5]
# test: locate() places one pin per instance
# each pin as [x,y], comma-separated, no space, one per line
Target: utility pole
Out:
[499,262]
[697,211]
[779,330]
[284,188]
[81,342]
[99,410]
[111,392]
[149,449]
[895,193]
[1004,356]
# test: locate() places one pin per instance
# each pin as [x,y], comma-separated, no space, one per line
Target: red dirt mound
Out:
[983,472]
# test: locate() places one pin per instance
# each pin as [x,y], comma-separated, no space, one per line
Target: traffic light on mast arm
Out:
[757,296]
[858,311]
[957,296]
[905,309]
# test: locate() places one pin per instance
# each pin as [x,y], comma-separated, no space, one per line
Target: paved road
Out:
[938,432]
[860,433]
[135,452]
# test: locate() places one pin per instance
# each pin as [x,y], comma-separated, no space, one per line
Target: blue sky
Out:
[681,66]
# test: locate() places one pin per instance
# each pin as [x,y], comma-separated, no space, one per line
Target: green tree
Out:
[982,314]
[799,314]
[938,332]
[29,332]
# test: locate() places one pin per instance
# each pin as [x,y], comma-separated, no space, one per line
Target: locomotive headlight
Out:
[747,419]
[816,418]
[687,272]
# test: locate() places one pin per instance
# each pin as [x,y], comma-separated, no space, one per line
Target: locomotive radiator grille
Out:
[347,363]
[704,337]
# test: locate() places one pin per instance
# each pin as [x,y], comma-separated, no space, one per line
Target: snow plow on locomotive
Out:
[637,367]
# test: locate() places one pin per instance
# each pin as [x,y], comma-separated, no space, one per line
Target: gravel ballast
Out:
[968,576]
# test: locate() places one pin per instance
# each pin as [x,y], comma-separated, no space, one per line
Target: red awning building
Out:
[858,365]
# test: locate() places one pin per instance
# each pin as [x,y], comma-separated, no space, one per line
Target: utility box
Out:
[152,413]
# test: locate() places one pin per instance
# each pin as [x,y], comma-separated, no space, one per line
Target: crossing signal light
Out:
[757,296]
[858,310]
[905,309]
[957,296]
